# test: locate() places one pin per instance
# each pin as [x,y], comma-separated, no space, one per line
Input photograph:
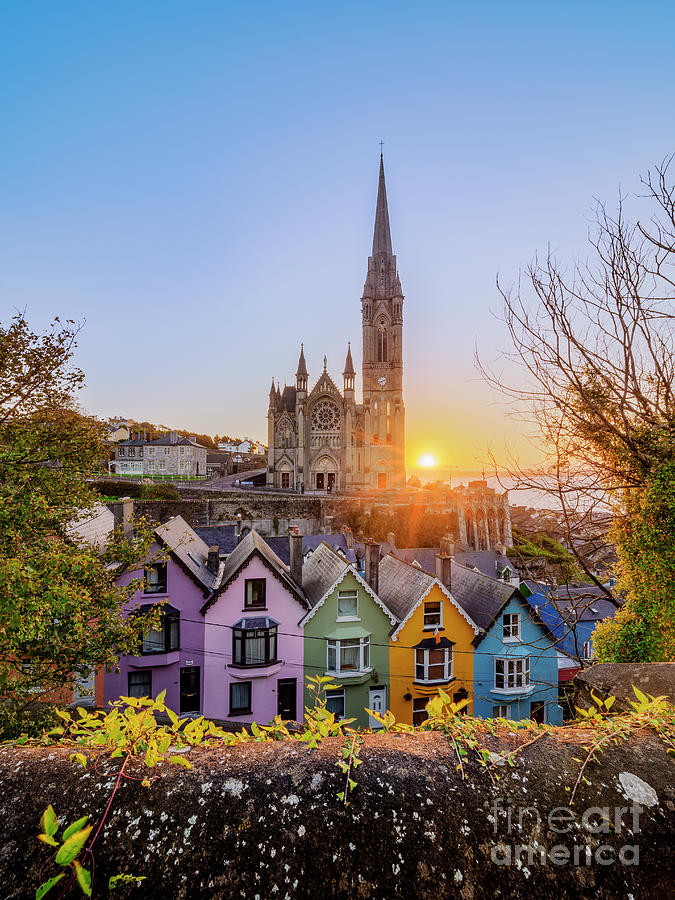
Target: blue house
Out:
[515,668]
[571,612]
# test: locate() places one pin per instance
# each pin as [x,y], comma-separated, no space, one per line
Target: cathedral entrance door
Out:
[320,481]
[381,479]
[331,481]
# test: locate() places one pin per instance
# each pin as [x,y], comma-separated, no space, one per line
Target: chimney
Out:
[444,569]
[447,545]
[295,543]
[391,538]
[213,559]
[373,565]
[123,511]
[237,528]
[173,437]
[500,548]
[349,536]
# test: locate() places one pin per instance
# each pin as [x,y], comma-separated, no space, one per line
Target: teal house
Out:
[346,636]
[515,668]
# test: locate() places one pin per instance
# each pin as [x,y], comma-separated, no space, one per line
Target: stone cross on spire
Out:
[381,234]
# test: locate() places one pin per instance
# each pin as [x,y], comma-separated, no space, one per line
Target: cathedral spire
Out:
[349,364]
[302,365]
[382,234]
[272,391]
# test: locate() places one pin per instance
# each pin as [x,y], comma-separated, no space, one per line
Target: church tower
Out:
[382,366]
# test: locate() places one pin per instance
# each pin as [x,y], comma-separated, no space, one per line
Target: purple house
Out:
[171,657]
[253,645]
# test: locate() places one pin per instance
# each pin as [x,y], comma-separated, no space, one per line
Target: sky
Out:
[196,183]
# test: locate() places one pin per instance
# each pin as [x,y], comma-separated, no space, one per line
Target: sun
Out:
[427,461]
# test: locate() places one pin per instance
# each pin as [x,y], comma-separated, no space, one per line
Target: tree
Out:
[60,606]
[596,349]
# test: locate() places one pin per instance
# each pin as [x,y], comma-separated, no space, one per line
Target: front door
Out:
[320,481]
[382,480]
[331,481]
[378,703]
[189,689]
[287,689]
[538,712]
[285,479]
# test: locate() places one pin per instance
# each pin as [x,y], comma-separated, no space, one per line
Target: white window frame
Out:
[587,650]
[348,595]
[364,644]
[501,711]
[447,666]
[511,631]
[424,615]
[513,668]
[338,695]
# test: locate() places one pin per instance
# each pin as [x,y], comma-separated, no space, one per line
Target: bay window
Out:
[433,664]
[254,642]
[512,674]
[347,657]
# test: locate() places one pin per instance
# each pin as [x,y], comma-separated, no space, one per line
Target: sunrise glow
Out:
[427,461]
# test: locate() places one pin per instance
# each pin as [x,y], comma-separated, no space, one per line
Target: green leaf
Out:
[47,886]
[48,839]
[352,784]
[76,826]
[71,847]
[180,761]
[159,699]
[114,880]
[49,823]
[79,757]
[83,878]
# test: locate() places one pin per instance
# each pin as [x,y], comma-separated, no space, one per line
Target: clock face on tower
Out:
[382,381]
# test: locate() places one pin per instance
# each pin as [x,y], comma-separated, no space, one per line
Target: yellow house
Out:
[431,647]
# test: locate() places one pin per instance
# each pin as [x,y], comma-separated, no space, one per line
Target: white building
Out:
[171,456]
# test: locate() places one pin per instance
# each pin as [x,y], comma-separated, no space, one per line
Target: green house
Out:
[346,636]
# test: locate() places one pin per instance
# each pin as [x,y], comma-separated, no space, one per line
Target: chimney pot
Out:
[391,538]
[123,511]
[349,536]
[295,545]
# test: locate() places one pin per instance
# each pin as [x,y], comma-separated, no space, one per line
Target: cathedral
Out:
[321,438]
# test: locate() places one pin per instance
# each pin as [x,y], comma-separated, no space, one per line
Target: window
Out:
[512,627]
[512,674]
[155,579]
[132,451]
[347,605]
[240,698]
[420,713]
[254,642]
[588,650]
[167,451]
[349,656]
[140,684]
[433,614]
[382,343]
[335,703]
[120,451]
[433,665]
[254,593]
[151,451]
[165,638]
[500,711]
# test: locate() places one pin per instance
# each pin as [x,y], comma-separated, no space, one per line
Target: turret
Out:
[349,374]
[301,374]
[273,396]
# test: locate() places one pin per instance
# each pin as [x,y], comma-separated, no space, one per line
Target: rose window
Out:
[325,416]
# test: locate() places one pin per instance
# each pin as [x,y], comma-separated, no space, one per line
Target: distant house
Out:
[172,656]
[253,643]
[119,431]
[515,658]
[431,646]
[346,635]
[168,456]
[572,612]
[246,446]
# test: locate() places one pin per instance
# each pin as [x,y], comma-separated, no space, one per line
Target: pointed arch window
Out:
[382,342]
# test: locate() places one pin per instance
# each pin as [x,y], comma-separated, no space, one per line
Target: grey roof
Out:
[381,233]
[189,550]
[288,399]
[489,562]
[310,542]
[254,543]
[321,570]
[401,585]
[92,526]
[581,603]
[164,441]
[225,536]
[480,595]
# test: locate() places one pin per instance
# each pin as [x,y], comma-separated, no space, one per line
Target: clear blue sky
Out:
[197,181]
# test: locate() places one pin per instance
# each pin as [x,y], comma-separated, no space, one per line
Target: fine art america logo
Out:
[584,847]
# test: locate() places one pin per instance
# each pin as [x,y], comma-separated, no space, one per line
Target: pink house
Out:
[171,657]
[253,645]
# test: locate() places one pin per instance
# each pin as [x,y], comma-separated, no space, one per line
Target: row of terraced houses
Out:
[241,632]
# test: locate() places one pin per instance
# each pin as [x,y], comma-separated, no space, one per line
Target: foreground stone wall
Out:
[263,821]
[617,680]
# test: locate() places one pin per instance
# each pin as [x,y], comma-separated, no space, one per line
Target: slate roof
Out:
[322,569]
[574,603]
[281,545]
[189,550]
[164,441]
[480,595]
[489,562]
[253,543]
[225,536]
[401,585]
[93,526]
